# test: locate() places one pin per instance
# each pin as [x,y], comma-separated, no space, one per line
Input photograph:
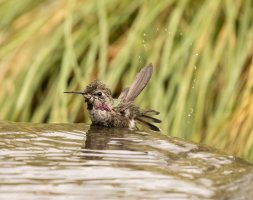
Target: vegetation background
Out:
[202,52]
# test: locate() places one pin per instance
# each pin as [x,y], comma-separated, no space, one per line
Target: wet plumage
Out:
[121,112]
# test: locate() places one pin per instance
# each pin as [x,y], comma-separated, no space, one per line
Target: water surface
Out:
[74,161]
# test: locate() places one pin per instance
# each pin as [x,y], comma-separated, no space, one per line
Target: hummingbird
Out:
[106,111]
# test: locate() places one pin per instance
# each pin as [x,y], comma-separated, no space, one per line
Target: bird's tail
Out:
[146,118]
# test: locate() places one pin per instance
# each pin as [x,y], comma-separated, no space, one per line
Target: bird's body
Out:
[121,112]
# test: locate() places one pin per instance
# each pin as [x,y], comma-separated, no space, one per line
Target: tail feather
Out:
[146,117]
[151,112]
[149,125]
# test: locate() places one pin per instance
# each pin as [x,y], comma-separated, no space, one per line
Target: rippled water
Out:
[72,161]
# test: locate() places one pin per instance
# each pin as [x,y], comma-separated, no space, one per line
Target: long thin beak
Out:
[76,92]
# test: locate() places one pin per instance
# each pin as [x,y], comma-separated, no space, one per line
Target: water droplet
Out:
[145,47]
[144,34]
[197,54]
[190,113]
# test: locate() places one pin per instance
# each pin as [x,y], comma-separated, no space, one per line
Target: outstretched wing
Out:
[123,94]
[139,83]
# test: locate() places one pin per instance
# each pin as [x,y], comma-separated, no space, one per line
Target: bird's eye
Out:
[99,93]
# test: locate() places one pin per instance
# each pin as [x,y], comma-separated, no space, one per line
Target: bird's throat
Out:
[103,107]
[89,106]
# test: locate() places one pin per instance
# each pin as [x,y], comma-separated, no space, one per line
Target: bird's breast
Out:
[99,116]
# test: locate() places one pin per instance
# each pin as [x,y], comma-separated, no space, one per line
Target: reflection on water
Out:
[74,161]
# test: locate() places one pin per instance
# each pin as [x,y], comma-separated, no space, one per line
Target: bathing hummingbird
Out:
[106,111]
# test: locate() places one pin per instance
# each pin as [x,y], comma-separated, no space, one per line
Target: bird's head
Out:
[97,95]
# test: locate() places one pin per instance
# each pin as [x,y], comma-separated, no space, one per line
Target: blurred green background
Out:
[201,50]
